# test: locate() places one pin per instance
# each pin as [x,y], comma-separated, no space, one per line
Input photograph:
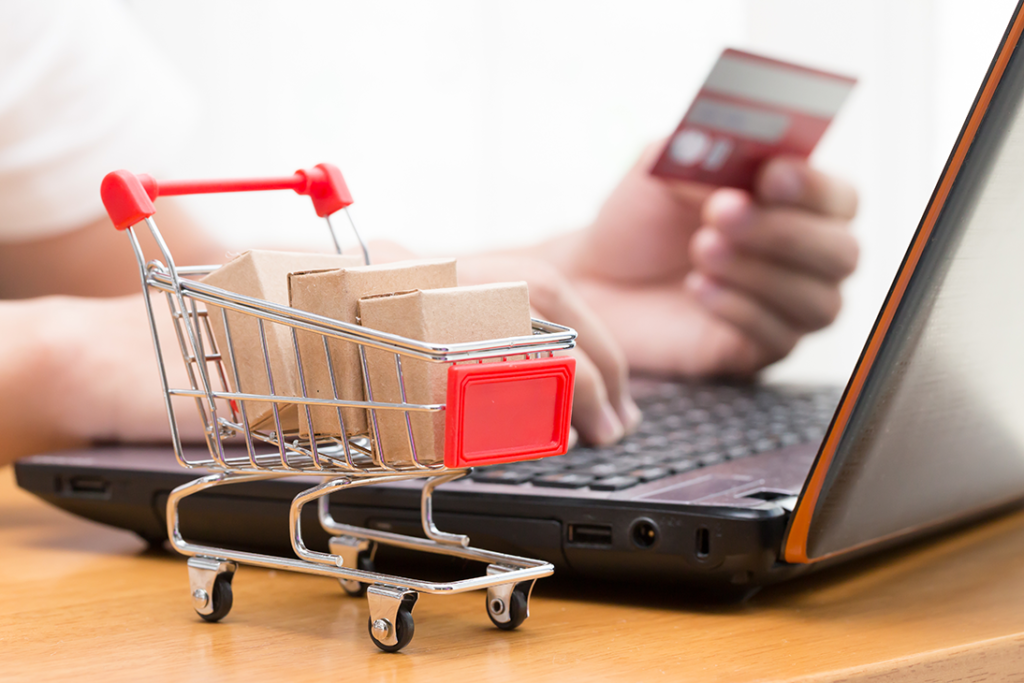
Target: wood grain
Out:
[81,601]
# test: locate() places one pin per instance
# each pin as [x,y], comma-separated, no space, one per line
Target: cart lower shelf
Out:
[508,579]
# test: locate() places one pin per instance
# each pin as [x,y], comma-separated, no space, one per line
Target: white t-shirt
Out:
[82,93]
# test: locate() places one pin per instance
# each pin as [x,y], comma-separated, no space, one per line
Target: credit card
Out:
[751,108]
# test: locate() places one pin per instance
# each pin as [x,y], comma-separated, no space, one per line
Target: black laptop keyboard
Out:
[685,427]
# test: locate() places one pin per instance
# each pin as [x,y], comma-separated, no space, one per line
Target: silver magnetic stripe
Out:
[756,124]
[802,91]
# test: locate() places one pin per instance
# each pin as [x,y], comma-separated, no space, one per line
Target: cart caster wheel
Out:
[508,615]
[357,589]
[404,628]
[222,599]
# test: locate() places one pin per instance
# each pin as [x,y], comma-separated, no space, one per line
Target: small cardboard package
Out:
[263,275]
[438,316]
[336,294]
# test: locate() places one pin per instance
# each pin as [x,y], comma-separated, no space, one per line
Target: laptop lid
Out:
[930,428]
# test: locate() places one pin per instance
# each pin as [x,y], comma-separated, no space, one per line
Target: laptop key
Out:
[791,439]
[614,483]
[577,458]
[658,442]
[732,437]
[666,457]
[651,427]
[603,469]
[814,433]
[649,473]
[712,458]
[682,445]
[564,480]
[626,462]
[738,452]
[501,476]
[674,421]
[681,466]
[543,466]
[698,415]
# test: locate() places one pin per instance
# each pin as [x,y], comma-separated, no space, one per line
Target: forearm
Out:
[97,260]
[30,367]
[77,370]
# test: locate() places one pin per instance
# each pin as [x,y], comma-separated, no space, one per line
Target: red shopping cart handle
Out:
[128,197]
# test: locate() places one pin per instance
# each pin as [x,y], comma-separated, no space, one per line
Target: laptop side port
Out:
[702,544]
[84,487]
[644,533]
[589,534]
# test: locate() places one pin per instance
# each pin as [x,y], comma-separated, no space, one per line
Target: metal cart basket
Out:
[507,399]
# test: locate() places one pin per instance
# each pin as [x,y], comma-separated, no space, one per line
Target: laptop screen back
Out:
[932,427]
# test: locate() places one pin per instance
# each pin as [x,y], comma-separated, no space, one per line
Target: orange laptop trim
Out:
[795,548]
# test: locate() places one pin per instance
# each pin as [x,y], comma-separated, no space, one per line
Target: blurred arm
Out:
[97,260]
[76,370]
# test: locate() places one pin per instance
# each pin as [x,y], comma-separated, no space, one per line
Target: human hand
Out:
[700,281]
[603,411]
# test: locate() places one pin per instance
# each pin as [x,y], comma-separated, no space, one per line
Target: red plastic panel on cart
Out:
[502,412]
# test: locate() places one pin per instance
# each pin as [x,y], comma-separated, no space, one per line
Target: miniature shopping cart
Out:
[507,399]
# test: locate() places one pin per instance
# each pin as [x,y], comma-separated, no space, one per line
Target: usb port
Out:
[86,487]
[590,534]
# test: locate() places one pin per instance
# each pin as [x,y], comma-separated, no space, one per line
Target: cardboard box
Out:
[439,316]
[263,275]
[336,294]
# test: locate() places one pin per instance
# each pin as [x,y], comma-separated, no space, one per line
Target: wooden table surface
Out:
[79,601]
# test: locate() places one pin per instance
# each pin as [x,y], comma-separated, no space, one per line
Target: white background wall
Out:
[469,124]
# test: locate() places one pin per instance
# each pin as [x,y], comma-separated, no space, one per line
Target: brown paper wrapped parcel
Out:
[262,274]
[439,316]
[336,294]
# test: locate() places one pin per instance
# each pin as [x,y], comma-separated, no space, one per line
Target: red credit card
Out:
[751,108]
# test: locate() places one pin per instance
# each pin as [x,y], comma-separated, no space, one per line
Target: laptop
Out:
[724,485]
